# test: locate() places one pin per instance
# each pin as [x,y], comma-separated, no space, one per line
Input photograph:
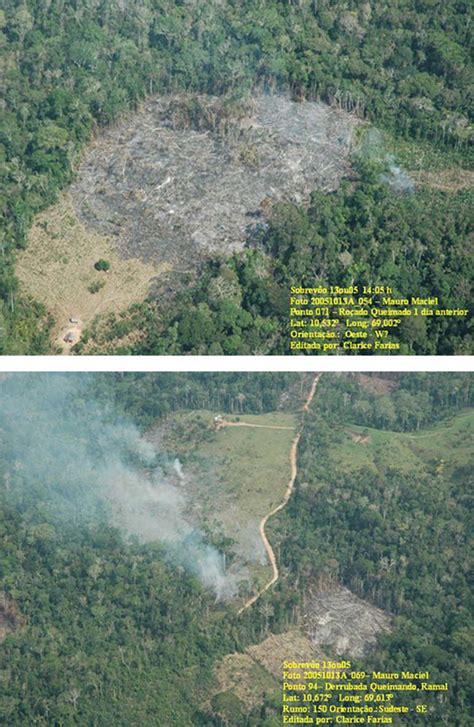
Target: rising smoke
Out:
[76,461]
[372,147]
[396,177]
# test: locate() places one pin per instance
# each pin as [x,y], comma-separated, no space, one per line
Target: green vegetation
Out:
[96,286]
[393,522]
[400,402]
[102,265]
[69,68]
[350,453]
[101,646]
[255,460]
[145,398]
[113,633]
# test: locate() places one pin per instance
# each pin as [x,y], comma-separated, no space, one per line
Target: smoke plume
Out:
[372,147]
[397,178]
[74,460]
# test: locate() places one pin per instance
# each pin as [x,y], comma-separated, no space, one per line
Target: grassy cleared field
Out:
[450,440]
[237,474]
[57,269]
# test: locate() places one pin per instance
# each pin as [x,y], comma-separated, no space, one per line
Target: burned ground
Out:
[181,180]
[375,384]
[187,177]
[337,619]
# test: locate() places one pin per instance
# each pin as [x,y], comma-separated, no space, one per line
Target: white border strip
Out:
[236,363]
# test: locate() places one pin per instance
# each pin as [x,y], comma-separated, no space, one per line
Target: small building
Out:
[70,337]
[74,321]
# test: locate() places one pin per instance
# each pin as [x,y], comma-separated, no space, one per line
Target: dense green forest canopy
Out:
[395,531]
[110,632]
[71,67]
[148,397]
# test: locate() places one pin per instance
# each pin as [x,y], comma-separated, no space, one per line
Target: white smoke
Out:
[78,462]
[397,178]
[373,148]
[177,466]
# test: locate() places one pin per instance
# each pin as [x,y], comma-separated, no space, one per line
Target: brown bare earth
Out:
[448,180]
[244,677]
[332,621]
[10,617]
[253,426]
[376,384]
[57,268]
[336,623]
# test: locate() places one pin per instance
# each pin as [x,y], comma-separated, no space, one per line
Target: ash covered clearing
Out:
[187,177]
[337,617]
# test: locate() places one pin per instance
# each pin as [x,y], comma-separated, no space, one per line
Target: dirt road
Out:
[246,424]
[294,471]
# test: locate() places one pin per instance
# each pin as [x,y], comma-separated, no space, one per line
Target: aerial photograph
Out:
[236,549]
[236,177]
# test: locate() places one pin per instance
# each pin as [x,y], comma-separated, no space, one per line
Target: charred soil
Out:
[189,177]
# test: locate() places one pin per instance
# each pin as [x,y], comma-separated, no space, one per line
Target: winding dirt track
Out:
[289,490]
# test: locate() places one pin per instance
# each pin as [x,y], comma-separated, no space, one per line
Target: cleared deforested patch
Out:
[187,177]
[338,619]
[57,269]
[232,477]
[288,646]
[447,180]
[383,384]
[242,676]
[258,672]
